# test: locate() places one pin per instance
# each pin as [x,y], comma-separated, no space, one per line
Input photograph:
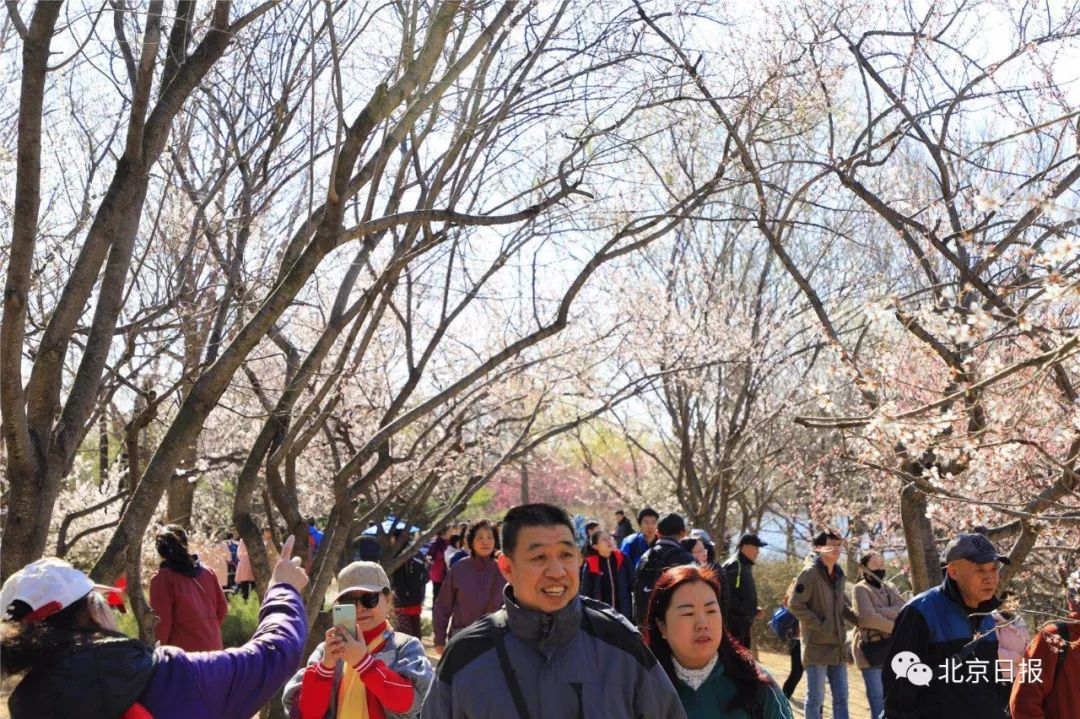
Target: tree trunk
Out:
[28,510]
[103,448]
[180,500]
[855,532]
[180,495]
[919,533]
[140,606]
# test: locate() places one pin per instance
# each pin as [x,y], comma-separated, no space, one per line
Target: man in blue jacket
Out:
[943,657]
[548,652]
[635,546]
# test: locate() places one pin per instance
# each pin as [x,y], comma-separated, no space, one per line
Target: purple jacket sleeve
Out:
[232,683]
[444,606]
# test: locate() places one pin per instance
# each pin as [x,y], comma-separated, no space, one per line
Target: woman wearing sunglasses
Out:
[367,671]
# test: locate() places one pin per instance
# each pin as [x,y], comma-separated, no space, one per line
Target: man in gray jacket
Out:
[548,652]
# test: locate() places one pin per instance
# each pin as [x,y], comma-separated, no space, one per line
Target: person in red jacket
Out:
[366,671]
[186,596]
[606,575]
[1053,693]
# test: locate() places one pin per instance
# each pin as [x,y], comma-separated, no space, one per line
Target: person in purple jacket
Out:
[60,633]
[472,588]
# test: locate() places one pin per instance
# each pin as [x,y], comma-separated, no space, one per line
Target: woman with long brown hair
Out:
[714,675]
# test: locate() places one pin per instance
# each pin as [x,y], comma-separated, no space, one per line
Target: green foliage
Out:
[127,624]
[477,505]
[241,621]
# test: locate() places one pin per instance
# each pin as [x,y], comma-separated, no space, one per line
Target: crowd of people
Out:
[542,615]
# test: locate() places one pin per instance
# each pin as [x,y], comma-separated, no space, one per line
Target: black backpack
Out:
[653,564]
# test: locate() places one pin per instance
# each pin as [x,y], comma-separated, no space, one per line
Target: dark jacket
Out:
[821,605]
[102,679]
[665,553]
[608,581]
[583,661]
[409,582]
[721,577]
[741,600]
[623,530]
[937,626]
[473,587]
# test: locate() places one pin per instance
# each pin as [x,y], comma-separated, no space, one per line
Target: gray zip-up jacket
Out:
[582,662]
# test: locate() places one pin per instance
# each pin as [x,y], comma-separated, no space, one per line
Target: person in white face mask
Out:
[876,604]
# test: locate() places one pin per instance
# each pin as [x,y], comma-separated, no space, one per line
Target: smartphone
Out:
[345,615]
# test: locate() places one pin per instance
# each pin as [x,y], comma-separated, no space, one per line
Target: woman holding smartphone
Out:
[366,670]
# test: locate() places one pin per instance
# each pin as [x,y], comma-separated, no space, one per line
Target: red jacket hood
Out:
[593,561]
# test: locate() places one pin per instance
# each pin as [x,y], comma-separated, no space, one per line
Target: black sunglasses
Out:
[366,600]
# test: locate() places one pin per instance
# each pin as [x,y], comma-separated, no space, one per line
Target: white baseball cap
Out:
[48,586]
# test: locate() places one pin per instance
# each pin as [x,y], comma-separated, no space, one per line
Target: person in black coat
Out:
[623,527]
[409,584]
[741,599]
[667,552]
[606,575]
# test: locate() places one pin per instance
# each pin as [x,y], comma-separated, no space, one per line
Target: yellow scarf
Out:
[352,694]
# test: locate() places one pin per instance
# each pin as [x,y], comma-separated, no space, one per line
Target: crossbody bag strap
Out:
[498,636]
